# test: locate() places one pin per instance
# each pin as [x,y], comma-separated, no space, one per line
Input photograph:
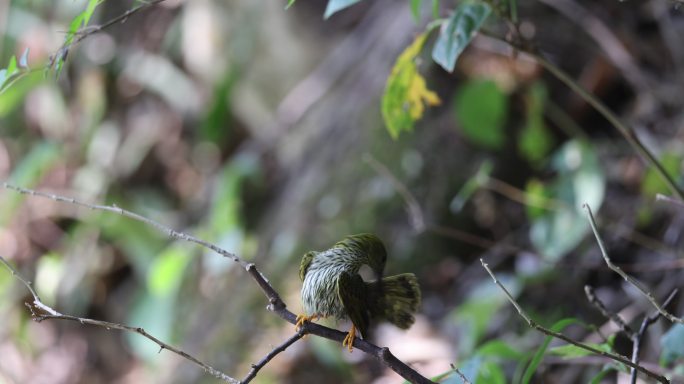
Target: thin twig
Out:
[636,338]
[86,31]
[412,206]
[459,373]
[53,314]
[624,275]
[560,336]
[600,107]
[282,347]
[661,197]
[276,304]
[594,300]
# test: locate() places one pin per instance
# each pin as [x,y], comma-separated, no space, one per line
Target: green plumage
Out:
[333,287]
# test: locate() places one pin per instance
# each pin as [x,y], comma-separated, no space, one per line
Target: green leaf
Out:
[167,270]
[12,66]
[652,183]
[578,180]
[458,32]
[470,186]
[415,9]
[570,351]
[535,141]
[406,93]
[481,109]
[672,344]
[289,4]
[335,6]
[476,313]
[598,379]
[539,355]
[498,348]
[435,9]
[513,7]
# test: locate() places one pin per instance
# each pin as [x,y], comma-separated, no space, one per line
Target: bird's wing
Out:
[351,291]
[304,265]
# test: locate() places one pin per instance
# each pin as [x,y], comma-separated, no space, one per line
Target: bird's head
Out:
[373,248]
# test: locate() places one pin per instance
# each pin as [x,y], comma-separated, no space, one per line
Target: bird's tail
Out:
[399,299]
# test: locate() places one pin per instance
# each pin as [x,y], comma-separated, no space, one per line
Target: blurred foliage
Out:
[247,126]
[481,109]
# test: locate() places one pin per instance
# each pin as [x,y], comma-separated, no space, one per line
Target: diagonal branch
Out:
[637,337]
[282,347]
[50,314]
[276,303]
[624,275]
[560,336]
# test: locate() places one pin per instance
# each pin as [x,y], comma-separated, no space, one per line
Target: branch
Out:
[593,299]
[560,336]
[53,314]
[256,367]
[600,107]
[276,303]
[624,275]
[668,199]
[636,338]
[84,32]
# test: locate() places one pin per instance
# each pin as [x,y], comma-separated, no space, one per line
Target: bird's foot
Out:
[349,339]
[302,318]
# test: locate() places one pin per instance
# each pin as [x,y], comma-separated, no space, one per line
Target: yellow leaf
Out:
[406,93]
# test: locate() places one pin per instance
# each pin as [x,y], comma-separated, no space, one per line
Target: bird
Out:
[332,287]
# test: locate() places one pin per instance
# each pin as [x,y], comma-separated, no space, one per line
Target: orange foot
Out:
[349,339]
[302,318]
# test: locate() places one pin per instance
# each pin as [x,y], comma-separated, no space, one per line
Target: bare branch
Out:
[84,32]
[282,347]
[678,203]
[560,336]
[276,304]
[594,300]
[624,275]
[637,337]
[53,314]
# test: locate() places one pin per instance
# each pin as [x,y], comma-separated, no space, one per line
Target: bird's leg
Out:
[302,318]
[349,339]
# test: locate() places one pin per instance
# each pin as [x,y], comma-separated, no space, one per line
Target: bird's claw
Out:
[302,318]
[349,339]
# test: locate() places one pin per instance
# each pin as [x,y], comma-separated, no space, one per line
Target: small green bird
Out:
[332,286]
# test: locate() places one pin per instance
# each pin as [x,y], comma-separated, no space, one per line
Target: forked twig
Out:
[51,313]
[276,303]
[624,275]
[560,336]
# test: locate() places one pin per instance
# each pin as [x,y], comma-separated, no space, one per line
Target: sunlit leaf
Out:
[167,270]
[481,110]
[457,33]
[12,66]
[335,6]
[406,93]
[652,183]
